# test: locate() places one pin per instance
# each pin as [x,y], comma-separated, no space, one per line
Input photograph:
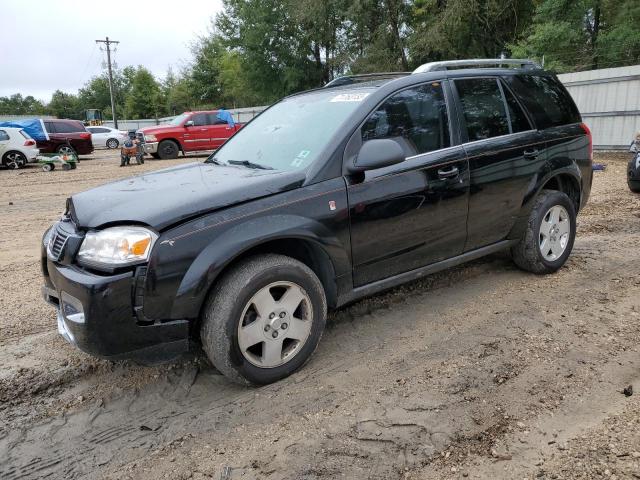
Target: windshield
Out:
[179,119]
[291,134]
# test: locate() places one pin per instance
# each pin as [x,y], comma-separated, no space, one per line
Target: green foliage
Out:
[17,105]
[144,99]
[65,105]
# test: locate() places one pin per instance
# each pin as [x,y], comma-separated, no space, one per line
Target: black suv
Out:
[326,197]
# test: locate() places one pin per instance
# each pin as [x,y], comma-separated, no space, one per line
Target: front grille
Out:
[56,243]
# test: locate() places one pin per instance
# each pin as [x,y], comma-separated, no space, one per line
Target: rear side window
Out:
[483,108]
[70,127]
[99,130]
[50,127]
[200,119]
[4,136]
[519,120]
[416,118]
[546,99]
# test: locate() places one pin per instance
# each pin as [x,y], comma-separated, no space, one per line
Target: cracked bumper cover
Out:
[95,313]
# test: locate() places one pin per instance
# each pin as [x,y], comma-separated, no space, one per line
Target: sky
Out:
[46,45]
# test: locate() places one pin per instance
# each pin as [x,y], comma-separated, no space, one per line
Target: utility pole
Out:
[108,43]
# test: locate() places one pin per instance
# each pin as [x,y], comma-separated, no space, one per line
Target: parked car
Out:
[326,197]
[17,148]
[189,132]
[66,136]
[102,136]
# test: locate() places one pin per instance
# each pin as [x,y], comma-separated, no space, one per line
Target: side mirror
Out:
[377,153]
[189,123]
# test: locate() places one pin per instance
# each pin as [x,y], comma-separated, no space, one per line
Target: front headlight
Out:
[150,138]
[117,246]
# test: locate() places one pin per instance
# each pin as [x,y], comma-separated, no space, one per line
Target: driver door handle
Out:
[448,173]
[531,154]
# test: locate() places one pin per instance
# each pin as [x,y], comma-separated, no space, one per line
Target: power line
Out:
[108,44]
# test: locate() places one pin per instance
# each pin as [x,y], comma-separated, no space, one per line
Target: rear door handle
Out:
[531,154]
[450,173]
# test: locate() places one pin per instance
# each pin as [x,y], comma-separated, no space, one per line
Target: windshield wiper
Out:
[213,160]
[249,164]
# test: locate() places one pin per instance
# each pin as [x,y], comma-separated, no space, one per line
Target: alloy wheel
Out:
[554,235]
[15,160]
[275,324]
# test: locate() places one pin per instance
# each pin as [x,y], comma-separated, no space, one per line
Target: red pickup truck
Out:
[189,132]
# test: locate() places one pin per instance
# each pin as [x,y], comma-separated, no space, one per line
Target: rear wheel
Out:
[549,236]
[14,160]
[168,149]
[155,155]
[264,319]
[112,143]
[66,150]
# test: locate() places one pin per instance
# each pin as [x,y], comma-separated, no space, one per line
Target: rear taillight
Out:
[85,135]
[29,143]
[588,132]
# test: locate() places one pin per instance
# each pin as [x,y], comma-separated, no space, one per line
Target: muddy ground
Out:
[481,371]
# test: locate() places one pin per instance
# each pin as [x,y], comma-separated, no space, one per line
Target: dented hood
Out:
[166,197]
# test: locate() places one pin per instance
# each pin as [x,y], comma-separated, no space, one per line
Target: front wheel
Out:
[168,149]
[264,319]
[548,239]
[112,143]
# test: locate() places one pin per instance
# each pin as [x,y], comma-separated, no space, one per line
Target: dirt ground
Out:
[481,371]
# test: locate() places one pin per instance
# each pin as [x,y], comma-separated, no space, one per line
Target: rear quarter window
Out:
[546,99]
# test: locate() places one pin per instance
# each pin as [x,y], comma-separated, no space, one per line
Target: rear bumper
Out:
[31,154]
[95,313]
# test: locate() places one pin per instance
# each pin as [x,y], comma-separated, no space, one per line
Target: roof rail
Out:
[491,62]
[365,77]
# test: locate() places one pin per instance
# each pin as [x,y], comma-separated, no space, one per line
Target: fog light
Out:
[72,309]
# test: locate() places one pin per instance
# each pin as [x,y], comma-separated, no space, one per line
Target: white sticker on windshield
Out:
[349,97]
[301,159]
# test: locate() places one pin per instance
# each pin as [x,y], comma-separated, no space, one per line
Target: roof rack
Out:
[365,77]
[491,62]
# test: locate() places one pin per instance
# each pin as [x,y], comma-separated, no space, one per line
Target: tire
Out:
[14,160]
[66,166]
[168,149]
[66,149]
[541,227]
[155,155]
[47,167]
[230,304]
[112,143]
[73,166]
[633,175]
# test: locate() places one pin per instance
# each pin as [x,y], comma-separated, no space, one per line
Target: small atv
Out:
[49,161]
[131,148]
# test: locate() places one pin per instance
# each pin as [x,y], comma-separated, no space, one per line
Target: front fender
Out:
[235,241]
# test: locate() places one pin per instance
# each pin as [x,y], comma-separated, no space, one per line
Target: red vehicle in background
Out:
[66,136]
[189,132]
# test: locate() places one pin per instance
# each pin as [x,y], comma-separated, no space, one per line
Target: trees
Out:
[16,104]
[144,99]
